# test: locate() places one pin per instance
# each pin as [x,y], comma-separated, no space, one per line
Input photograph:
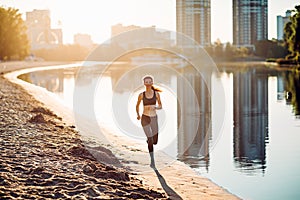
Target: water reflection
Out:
[288,89]
[280,87]
[60,81]
[194,118]
[250,119]
[292,88]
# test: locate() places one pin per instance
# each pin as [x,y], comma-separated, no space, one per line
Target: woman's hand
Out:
[158,107]
[138,117]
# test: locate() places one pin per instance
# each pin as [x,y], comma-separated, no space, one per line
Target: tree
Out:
[229,51]
[13,38]
[292,34]
[269,49]
[218,48]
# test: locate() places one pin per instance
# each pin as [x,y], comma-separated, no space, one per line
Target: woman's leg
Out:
[150,144]
[155,139]
[154,129]
[150,148]
[148,129]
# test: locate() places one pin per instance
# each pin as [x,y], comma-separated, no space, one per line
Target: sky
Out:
[95,17]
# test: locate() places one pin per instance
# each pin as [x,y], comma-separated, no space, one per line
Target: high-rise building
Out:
[250,22]
[193,20]
[39,30]
[281,21]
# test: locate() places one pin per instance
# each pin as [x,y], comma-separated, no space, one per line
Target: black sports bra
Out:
[147,101]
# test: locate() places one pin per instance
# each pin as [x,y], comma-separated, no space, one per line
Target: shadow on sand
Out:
[171,193]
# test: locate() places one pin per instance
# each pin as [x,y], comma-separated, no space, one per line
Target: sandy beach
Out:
[43,156]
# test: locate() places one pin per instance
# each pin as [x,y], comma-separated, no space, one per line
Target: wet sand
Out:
[43,156]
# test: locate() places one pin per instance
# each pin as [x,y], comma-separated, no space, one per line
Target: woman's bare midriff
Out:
[149,110]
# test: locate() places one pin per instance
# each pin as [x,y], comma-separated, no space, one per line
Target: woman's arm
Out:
[137,107]
[159,106]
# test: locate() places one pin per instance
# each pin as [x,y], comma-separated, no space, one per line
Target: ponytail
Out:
[156,89]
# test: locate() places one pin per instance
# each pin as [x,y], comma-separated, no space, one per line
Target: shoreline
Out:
[176,181]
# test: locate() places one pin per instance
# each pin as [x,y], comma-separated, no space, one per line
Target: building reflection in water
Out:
[194,118]
[250,120]
[280,87]
[52,80]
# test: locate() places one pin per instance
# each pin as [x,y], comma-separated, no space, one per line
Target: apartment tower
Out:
[193,20]
[250,22]
[281,22]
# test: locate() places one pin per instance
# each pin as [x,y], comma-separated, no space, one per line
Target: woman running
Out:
[149,118]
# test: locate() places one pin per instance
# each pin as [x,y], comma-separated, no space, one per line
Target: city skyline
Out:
[86,17]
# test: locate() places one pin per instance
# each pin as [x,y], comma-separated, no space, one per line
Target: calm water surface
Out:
[251,144]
